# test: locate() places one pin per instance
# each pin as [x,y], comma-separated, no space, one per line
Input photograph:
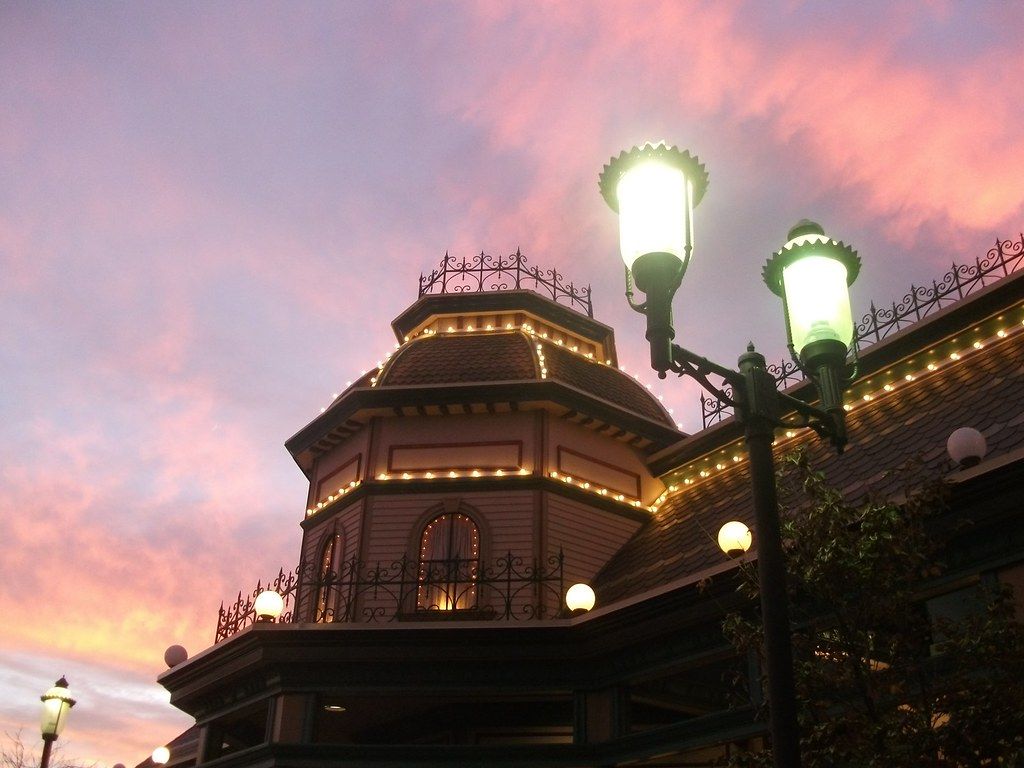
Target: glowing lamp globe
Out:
[812,273]
[966,446]
[654,189]
[734,538]
[268,606]
[56,706]
[160,756]
[580,597]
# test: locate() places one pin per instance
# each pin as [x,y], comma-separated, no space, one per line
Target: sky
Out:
[210,213]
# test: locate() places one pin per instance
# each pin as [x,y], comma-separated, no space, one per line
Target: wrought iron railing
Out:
[236,616]
[503,273]
[1005,258]
[513,588]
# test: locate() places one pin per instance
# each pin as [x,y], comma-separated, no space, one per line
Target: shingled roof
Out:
[460,358]
[977,387]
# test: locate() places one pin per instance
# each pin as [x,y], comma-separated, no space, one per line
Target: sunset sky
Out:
[210,213]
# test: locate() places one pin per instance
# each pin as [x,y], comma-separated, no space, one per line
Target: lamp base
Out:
[658,275]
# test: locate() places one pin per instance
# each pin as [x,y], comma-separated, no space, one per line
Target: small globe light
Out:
[734,538]
[161,755]
[966,446]
[268,606]
[175,655]
[56,705]
[580,597]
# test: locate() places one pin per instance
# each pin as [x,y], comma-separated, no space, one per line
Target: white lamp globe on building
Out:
[160,756]
[580,598]
[734,538]
[268,606]
[966,446]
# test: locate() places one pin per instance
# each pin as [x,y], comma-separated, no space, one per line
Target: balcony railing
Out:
[512,588]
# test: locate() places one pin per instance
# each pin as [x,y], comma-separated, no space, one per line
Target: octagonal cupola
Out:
[500,430]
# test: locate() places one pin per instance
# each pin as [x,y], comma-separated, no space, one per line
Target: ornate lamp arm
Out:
[755,395]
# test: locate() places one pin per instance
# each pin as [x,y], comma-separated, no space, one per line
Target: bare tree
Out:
[15,754]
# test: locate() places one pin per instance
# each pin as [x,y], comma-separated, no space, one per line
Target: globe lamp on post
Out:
[160,756]
[56,706]
[812,273]
[654,189]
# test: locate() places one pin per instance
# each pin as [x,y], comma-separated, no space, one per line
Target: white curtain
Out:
[449,562]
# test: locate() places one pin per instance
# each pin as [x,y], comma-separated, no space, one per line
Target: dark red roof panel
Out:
[604,381]
[461,358]
[985,390]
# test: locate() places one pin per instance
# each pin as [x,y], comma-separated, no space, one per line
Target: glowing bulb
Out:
[734,538]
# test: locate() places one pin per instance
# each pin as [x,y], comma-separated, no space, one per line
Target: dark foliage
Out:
[879,682]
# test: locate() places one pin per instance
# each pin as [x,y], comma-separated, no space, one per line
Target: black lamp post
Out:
[654,189]
[56,706]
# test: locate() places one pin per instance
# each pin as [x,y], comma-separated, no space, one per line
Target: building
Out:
[498,456]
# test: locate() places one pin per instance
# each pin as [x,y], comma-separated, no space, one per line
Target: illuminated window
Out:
[449,563]
[327,578]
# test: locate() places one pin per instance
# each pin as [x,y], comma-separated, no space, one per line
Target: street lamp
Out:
[654,189]
[56,706]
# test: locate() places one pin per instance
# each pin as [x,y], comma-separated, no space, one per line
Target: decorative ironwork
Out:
[513,588]
[235,617]
[503,273]
[1004,258]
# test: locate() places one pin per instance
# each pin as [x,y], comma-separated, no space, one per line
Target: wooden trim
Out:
[517,444]
[358,459]
[635,493]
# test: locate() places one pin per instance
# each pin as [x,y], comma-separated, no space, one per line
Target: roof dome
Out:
[515,356]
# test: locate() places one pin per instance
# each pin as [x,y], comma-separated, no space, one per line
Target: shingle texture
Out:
[496,357]
[984,390]
[463,358]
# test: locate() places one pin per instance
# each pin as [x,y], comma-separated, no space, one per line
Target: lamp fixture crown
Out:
[661,151]
[808,238]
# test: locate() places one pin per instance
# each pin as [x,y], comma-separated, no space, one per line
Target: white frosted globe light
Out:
[654,208]
[161,755]
[966,446]
[580,597]
[734,538]
[269,605]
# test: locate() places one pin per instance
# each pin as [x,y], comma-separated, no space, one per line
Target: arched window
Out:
[449,563]
[329,564]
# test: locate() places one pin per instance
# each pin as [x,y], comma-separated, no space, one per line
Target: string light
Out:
[452,474]
[525,327]
[710,466]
